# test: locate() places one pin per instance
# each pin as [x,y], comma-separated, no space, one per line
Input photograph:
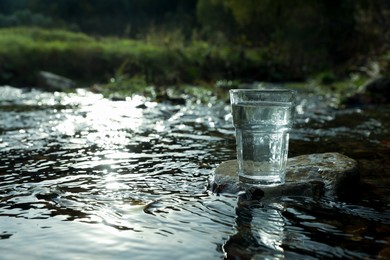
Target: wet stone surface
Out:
[311,175]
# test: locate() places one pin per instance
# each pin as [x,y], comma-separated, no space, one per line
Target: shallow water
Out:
[85,177]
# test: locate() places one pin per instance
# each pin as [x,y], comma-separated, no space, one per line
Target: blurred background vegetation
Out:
[122,43]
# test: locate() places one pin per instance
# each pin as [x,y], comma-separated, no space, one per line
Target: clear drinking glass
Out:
[262,119]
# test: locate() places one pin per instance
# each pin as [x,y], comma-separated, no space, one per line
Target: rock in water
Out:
[338,172]
[310,175]
[52,82]
[375,92]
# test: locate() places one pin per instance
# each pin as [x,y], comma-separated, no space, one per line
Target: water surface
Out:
[85,177]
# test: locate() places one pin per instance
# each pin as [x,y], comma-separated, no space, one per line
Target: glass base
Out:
[262,181]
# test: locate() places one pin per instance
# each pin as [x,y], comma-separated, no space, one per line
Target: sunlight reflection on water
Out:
[120,178]
[85,177]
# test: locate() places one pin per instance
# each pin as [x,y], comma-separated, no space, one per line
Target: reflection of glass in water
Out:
[260,230]
[268,227]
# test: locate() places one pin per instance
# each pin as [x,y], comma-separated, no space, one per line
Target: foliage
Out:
[25,51]
[120,17]
[309,36]
[25,18]
[174,41]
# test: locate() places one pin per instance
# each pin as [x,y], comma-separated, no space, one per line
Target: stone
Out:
[373,92]
[52,82]
[311,175]
[384,253]
[338,172]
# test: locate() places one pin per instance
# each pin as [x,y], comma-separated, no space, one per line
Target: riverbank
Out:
[164,61]
[121,66]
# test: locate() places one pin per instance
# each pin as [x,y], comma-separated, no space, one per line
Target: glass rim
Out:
[280,90]
[280,96]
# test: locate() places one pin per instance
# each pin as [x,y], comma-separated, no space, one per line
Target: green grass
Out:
[147,66]
[25,51]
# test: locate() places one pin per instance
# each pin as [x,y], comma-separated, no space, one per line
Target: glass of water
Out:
[262,119]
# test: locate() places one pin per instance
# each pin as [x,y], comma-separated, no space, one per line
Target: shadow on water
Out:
[83,176]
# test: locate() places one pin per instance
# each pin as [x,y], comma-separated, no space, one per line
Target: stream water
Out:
[84,177]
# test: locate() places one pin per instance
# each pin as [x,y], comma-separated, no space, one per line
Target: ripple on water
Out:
[115,179]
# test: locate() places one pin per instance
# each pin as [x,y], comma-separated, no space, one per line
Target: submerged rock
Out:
[310,175]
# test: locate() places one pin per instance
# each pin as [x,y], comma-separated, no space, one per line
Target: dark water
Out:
[83,177]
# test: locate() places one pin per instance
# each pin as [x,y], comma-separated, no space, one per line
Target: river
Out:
[85,177]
